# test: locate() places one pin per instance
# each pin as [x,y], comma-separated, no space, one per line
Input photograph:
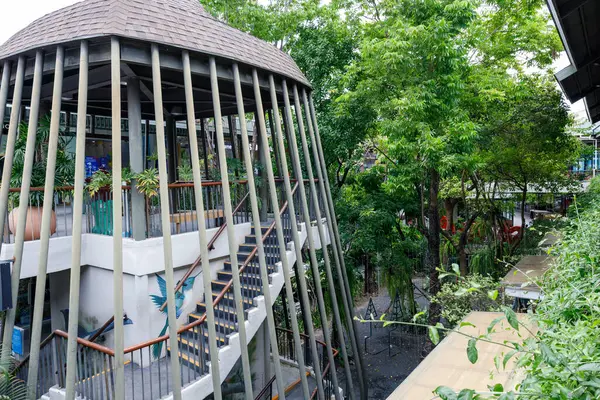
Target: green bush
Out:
[569,315]
[458,299]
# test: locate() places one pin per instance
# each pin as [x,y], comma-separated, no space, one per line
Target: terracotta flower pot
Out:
[33,226]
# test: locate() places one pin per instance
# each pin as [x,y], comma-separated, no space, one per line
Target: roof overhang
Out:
[578,25]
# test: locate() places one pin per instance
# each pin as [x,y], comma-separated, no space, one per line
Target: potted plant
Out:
[147,184]
[100,189]
[64,172]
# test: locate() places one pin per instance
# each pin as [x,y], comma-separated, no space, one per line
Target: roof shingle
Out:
[179,23]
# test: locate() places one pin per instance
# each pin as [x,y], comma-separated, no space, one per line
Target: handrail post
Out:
[337,247]
[71,355]
[256,215]
[166,226]
[295,231]
[323,236]
[8,163]
[307,222]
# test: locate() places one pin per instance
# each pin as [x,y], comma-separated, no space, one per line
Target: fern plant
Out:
[11,387]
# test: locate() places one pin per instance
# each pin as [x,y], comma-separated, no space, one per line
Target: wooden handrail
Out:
[102,329]
[87,343]
[217,300]
[128,187]
[199,321]
[211,245]
[170,186]
[42,344]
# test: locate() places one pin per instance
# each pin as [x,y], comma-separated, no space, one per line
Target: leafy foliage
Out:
[458,299]
[65,164]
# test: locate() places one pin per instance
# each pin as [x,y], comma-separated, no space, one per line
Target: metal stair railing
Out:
[49,367]
[288,352]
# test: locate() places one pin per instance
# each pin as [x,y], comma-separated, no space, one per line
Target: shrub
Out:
[458,299]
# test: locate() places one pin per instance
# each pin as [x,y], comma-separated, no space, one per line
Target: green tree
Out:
[426,74]
[412,70]
[525,141]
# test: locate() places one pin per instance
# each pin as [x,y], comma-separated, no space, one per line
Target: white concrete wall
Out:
[141,261]
[139,258]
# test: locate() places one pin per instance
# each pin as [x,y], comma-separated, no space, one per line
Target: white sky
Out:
[18,14]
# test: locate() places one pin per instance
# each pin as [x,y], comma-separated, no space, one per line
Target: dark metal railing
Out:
[97,209]
[183,210]
[98,214]
[289,352]
[95,365]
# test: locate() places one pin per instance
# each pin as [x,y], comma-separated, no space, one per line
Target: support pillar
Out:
[136,156]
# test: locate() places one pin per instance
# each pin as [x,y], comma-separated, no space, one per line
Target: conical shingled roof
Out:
[180,23]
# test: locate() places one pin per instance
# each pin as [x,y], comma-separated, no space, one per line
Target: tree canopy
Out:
[451,98]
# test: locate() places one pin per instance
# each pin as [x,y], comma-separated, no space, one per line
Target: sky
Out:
[19,14]
[22,12]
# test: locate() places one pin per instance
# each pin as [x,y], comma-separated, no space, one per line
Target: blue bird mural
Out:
[84,334]
[183,298]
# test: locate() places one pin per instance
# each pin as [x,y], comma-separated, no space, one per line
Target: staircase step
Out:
[228,302]
[192,335]
[242,256]
[226,326]
[189,361]
[250,287]
[194,346]
[263,229]
[251,269]
[247,247]
[250,239]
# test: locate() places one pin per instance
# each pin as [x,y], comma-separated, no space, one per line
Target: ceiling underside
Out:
[138,65]
[578,24]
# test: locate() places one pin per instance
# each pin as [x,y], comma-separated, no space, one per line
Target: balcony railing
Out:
[98,212]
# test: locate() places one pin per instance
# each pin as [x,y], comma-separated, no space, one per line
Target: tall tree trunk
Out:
[433,243]
[449,205]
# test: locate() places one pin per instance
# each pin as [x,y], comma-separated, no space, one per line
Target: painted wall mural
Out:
[183,298]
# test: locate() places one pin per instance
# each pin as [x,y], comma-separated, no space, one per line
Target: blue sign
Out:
[17,340]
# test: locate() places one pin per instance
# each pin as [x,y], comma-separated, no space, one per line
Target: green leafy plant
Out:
[65,164]
[185,173]
[98,181]
[102,180]
[11,387]
[457,297]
